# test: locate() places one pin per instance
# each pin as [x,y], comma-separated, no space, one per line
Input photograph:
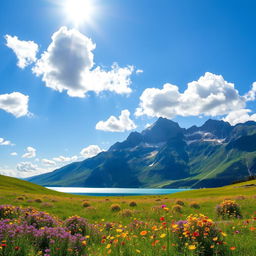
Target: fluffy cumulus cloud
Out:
[14,154]
[15,103]
[4,142]
[240,116]
[26,167]
[10,172]
[48,162]
[211,95]
[120,124]
[31,153]
[63,159]
[90,151]
[251,95]
[68,65]
[25,50]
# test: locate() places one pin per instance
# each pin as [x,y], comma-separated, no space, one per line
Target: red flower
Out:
[162,219]
[195,234]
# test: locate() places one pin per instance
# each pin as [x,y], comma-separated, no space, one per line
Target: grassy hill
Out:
[13,185]
[148,210]
[18,192]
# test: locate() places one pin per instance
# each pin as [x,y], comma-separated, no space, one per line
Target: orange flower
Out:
[155,242]
[143,233]
[232,248]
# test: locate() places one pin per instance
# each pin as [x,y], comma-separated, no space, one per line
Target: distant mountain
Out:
[166,155]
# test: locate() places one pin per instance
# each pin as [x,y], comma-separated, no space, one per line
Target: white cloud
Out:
[90,151]
[211,95]
[48,162]
[120,124]
[65,159]
[251,95]
[4,142]
[68,64]
[139,71]
[26,167]
[8,172]
[31,152]
[14,154]
[239,116]
[25,50]
[15,103]
[23,170]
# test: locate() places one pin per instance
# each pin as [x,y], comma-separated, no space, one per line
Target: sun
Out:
[79,11]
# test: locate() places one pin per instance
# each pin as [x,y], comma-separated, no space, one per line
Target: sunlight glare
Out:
[79,11]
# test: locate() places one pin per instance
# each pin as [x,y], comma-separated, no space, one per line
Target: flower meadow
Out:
[26,231]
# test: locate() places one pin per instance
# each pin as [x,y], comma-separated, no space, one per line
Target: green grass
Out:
[21,193]
[13,190]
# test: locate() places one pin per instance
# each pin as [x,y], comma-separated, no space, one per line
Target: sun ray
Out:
[79,11]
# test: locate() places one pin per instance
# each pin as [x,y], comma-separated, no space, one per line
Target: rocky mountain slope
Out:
[166,155]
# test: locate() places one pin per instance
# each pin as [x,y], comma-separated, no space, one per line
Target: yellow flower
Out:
[119,230]
[224,234]
[84,243]
[215,238]
[163,235]
[138,251]
[192,247]
[108,246]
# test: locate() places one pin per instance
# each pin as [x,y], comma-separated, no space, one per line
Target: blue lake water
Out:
[116,191]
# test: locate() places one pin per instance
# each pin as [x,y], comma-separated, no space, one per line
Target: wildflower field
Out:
[37,221]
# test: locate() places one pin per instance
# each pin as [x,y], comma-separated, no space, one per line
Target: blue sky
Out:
[53,107]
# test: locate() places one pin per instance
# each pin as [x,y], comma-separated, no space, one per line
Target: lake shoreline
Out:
[116,191]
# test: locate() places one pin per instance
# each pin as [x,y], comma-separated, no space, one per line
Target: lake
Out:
[116,191]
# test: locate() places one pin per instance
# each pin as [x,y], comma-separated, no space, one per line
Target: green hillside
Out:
[145,211]
[23,193]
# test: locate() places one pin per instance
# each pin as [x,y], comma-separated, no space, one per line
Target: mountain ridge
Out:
[166,155]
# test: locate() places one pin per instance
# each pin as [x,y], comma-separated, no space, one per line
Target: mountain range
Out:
[166,155]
